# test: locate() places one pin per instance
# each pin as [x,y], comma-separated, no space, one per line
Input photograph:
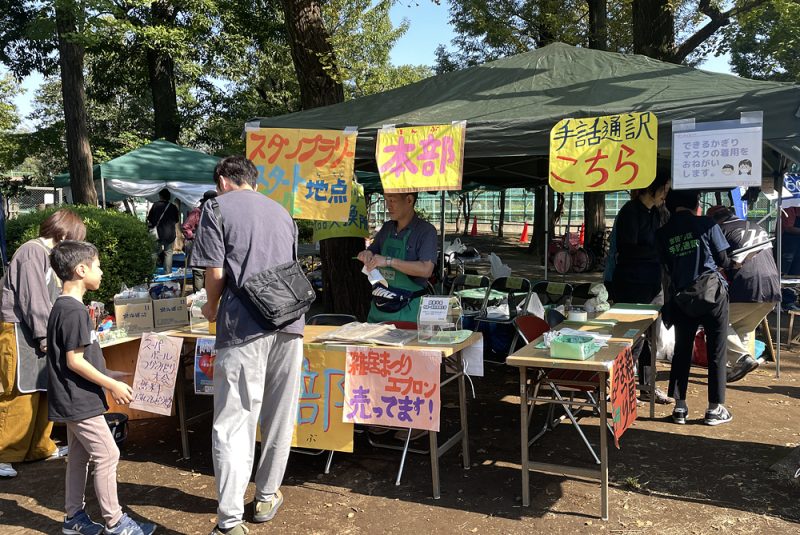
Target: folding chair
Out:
[518,293]
[553,294]
[530,327]
[331,319]
[325,319]
[471,306]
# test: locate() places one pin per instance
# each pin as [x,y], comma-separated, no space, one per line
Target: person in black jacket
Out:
[754,289]
[692,249]
[637,274]
[162,218]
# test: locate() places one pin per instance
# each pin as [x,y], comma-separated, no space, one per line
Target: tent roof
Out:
[156,161]
[512,103]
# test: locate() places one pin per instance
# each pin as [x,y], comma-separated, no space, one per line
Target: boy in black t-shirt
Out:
[75,395]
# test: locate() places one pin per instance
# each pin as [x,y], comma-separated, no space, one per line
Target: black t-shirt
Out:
[165,226]
[70,397]
[690,246]
[637,255]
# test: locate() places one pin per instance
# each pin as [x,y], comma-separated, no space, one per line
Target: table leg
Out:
[434,447]
[181,410]
[603,448]
[652,339]
[768,336]
[462,407]
[523,433]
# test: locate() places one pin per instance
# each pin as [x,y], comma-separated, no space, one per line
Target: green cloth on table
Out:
[479,293]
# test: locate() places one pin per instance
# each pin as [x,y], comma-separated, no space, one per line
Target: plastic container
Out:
[573,347]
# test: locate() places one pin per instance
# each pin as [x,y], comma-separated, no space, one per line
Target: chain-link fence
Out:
[34,198]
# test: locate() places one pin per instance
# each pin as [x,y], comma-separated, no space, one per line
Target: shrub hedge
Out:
[122,240]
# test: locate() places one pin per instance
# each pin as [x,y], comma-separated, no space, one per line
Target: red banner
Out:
[623,394]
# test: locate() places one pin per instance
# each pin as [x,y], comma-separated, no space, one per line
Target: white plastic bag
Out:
[499,269]
[455,246]
[665,348]
[535,307]
[598,303]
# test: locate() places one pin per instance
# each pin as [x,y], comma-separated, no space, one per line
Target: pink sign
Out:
[392,387]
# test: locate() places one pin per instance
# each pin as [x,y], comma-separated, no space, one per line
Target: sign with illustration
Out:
[421,158]
[357,224]
[623,393]
[717,155]
[608,153]
[309,172]
[204,357]
[392,387]
[156,370]
[320,422]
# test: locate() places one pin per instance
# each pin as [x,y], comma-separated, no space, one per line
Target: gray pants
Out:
[257,382]
[90,440]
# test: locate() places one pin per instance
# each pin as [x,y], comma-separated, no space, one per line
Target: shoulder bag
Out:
[278,295]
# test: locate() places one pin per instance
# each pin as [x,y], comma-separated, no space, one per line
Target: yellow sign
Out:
[608,153]
[421,158]
[357,225]
[319,414]
[310,172]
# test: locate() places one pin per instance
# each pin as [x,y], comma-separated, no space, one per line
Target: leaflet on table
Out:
[368,333]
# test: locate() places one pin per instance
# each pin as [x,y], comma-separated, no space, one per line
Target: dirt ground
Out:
[665,478]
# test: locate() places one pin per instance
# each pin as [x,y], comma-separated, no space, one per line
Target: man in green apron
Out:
[404,250]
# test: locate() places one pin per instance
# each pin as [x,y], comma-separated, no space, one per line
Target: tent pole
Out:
[546,227]
[103,190]
[779,233]
[441,211]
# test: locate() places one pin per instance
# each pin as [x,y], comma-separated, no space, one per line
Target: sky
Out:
[429,27]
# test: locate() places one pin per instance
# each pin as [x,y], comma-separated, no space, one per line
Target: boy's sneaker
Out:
[679,415]
[740,368]
[61,451]
[81,524]
[265,511]
[238,529]
[128,526]
[718,416]
[6,470]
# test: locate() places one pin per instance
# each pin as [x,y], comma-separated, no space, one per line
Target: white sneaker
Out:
[6,470]
[61,451]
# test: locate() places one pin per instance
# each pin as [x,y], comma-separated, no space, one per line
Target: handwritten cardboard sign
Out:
[421,158]
[204,357]
[309,172]
[623,394]
[319,414]
[607,153]
[392,387]
[156,370]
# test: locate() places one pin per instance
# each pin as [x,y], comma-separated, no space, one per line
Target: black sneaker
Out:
[718,416]
[679,415]
[741,367]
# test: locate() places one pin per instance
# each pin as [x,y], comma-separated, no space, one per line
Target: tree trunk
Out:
[466,208]
[312,54]
[161,72]
[540,242]
[654,28]
[594,204]
[502,213]
[79,152]
[345,288]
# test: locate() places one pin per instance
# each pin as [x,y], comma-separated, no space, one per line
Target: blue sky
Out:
[429,27]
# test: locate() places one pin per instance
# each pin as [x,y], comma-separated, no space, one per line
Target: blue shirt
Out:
[422,244]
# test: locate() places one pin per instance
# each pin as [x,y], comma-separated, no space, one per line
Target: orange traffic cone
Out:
[524,237]
[474,231]
[582,233]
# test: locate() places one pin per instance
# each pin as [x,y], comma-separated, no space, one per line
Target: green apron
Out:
[396,248]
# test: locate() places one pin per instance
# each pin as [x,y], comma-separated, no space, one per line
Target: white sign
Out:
[433,309]
[707,157]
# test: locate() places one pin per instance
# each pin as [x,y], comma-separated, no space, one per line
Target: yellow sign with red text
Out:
[609,153]
[309,172]
[421,158]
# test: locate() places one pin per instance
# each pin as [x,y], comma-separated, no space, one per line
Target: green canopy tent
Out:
[511,104]
[145,171]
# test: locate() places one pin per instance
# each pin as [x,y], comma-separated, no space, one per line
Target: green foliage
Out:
[764,45]
[9,119]
[305,230]
[122,240]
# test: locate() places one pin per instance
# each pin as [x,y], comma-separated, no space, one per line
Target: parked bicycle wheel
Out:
[562,261]
[580,260]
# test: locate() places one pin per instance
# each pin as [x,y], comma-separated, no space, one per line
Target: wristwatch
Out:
[388,261]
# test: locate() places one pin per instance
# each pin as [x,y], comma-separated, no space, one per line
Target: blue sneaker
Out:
[81,524]
[128,526]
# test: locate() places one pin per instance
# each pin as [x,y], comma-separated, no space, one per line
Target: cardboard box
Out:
[170,312]
[134,315]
